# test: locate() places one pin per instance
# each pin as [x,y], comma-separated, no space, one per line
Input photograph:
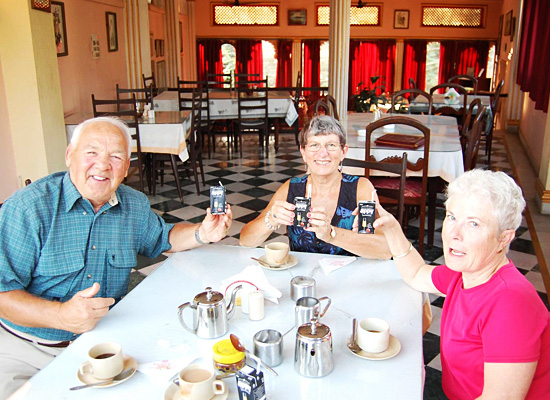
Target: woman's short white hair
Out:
[322,125]
[117,122]
[499,189]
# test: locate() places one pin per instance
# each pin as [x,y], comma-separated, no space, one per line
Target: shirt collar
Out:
[72,195]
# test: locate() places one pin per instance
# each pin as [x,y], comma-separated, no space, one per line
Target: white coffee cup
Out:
[276,253]
[373,335]
[198,382]
[105,360]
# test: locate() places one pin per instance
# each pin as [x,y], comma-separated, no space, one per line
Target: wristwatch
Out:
[332,234]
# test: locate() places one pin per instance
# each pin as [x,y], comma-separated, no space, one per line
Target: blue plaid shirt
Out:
[53,244]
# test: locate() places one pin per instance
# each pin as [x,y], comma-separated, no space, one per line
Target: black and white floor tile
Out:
[251,181]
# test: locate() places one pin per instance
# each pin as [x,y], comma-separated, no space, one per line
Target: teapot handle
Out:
[180,316]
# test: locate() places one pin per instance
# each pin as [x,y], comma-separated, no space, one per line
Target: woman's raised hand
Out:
[282,213]
[319,222]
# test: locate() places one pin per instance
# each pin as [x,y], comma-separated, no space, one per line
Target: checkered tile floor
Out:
[252,180]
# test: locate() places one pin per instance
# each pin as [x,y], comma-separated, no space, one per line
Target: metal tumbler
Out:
[268,345]
[302,286]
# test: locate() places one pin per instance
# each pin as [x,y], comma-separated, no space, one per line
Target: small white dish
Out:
[173,393]
[292,261]
[393,349]
[85,374]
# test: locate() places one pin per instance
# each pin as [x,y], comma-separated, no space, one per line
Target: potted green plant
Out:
[370,97]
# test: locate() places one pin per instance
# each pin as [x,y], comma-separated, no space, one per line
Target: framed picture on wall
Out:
[60,28]
[297,17]
[112,34]
[508,24]
[401,19]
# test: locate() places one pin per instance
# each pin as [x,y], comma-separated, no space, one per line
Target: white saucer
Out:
[292,261]
[393,349]
[173,393]
[86,377]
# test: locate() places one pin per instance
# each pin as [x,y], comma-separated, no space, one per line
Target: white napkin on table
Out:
[332,264]
[255,275]
[161,371]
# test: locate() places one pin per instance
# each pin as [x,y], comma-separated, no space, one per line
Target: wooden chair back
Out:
[472,140]
[421,166]
[149,81]
[393,165]
[400,98]
[468,78]
[253,110]
[459,114]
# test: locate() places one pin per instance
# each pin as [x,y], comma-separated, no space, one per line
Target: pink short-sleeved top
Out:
[500,321]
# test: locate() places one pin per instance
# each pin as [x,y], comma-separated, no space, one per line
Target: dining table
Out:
[445,159]
[145,323]
[166,133]
[224,104]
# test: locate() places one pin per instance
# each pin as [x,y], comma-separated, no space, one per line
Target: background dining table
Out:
[224,105]
[146,324]
[166,133]
[420,103]
[445,149]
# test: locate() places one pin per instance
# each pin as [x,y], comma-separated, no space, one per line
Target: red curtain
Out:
[312,63]
[455,57]
[209,57]
[249,55]
[284,63]
[534,56]
[414,63]
[368,59]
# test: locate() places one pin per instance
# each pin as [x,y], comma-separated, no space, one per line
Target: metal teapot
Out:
[313,352]
[211,314]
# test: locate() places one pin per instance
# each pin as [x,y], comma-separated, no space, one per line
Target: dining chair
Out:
[331,101]
[194,148]
[253,112]
[321,108]
[143,95]
[388,196]
[149,81]
[412,84]
[470,138]
[219,81]
[449,109]
[469,79]
[487,134]
[125,109]
[416,189]
[400,99]
[215,128]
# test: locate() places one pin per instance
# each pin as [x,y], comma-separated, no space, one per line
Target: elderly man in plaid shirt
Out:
[68,243]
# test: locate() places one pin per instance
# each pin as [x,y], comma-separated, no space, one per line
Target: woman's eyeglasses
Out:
[314,147]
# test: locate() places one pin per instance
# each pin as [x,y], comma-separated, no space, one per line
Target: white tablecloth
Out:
[166,133]
[445,150]
[224,105]
[145,322]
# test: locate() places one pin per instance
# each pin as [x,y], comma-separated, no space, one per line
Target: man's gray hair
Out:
[320,126]
[117,122]
[499,189]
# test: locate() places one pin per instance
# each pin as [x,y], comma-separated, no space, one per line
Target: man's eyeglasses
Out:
[314,147]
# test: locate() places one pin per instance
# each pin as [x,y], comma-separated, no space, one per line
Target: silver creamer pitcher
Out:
[313,352]
[210,313]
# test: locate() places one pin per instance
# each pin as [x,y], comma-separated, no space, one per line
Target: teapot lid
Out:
[314,330]
[208,297]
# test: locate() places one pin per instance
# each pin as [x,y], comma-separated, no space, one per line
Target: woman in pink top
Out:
[495,330]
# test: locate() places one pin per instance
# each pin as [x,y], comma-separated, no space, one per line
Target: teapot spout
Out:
[232,301]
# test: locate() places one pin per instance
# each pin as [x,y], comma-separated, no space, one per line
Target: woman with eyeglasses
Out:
[334,197]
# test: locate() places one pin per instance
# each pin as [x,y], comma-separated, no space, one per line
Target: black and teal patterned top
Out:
[302,240]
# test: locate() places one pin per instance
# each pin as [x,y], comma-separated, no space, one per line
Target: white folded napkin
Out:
[161,371]
[332,264]
[255,275]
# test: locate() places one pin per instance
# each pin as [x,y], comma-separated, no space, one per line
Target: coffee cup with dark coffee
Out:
[105,360]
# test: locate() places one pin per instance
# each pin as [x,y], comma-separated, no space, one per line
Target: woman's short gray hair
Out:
[117,122]
[502,191]
[320,126]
